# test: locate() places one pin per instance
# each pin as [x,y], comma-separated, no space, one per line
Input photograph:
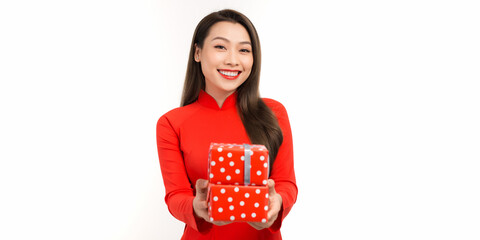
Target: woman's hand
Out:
[200,206]
[274,206]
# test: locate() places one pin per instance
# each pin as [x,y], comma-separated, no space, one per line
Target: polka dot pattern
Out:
[229,203]
[229,160]
[229,199]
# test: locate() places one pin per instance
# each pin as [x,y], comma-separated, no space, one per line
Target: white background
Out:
[383,98]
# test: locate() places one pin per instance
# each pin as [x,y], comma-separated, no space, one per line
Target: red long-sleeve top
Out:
[184,135]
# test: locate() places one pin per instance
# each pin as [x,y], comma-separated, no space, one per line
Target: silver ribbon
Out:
[246,168]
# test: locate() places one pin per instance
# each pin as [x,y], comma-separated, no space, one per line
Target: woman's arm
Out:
[179,194]
[283,172]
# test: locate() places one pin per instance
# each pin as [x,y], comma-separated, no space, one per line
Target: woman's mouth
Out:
[229,74]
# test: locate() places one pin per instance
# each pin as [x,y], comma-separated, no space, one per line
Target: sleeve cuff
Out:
[199,224]
[202,226]
[278,222]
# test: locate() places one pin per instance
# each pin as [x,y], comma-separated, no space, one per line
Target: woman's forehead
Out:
[229,32]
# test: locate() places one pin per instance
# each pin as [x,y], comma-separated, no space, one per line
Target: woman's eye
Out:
[219,47]
[245,50]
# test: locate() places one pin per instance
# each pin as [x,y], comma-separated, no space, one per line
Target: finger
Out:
[271,221]
[220,223]
[204,204]
[201,205]
[272,215]
[200,208]
[201,184]
[256,225]
[275,206]
[201,188]
[259,225]
[271,187]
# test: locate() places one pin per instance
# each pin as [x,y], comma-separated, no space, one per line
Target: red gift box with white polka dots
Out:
[237,203]
[238,164]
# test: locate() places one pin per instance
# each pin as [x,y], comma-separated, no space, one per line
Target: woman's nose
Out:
[231,58]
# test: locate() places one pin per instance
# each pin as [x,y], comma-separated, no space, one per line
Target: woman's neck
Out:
[219,97]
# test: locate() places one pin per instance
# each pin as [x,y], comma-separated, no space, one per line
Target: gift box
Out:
[238,164]
[237,203]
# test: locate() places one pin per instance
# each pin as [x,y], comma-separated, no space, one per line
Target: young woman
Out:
[221,103]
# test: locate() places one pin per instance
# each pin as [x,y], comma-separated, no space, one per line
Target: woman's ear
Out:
[197,53]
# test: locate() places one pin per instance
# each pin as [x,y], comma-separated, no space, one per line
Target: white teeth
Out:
[230,74]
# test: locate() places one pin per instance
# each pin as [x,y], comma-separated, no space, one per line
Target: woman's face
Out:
[226,58]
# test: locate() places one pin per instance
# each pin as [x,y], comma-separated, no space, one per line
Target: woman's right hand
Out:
[200,206]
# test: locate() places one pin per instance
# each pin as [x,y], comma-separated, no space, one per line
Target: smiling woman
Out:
[226,59]
[221,103]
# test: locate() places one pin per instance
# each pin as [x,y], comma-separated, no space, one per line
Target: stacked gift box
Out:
[238,176]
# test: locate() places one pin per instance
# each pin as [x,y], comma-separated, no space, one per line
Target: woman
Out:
[221,103]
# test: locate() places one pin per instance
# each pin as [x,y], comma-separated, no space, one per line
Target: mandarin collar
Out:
[208,101]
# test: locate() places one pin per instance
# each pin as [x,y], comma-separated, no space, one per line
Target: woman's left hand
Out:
[274,205]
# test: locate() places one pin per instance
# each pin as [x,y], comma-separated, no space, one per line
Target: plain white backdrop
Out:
[383,99]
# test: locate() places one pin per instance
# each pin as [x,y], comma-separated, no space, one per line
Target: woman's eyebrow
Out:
[226,40]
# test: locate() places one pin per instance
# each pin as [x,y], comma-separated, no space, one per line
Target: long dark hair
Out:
[259,121]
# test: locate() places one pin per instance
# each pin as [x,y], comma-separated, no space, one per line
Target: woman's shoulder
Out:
[179,114]
[277,108]
[279,111]
[275,105]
